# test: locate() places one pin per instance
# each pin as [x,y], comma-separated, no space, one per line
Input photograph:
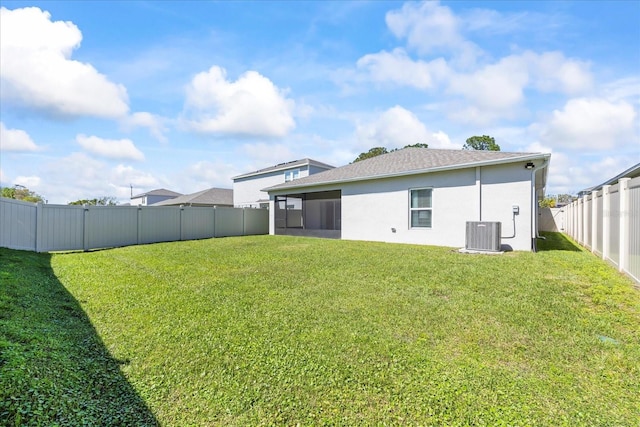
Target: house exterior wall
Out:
[149,200]
[372,209]
[246,191]
[504,186]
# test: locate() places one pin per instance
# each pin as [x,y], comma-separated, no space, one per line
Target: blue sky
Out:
[98,96]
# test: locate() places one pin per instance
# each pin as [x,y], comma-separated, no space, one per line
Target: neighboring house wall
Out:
[247,190]
[371,209]
[150,199]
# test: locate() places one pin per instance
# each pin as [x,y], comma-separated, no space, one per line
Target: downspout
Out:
[479,185]
[534,204]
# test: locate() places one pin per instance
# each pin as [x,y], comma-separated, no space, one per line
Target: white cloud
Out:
[205,174]
[31,182]
[79,176]
[497,86]
[110,148]
[497,91]
[553,72]
[591,123]
[569,174]
[396,128]
[15,140]
[37,71]
[124,176]
[397,67]
[252,105]
[265,154]
[432,28]
[154,123]
[627,88]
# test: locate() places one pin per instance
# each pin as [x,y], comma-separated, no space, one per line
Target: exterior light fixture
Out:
[529,165]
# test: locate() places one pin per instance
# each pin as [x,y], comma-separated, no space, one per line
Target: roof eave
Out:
[414,172]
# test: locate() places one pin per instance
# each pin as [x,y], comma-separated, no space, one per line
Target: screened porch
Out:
[309,214]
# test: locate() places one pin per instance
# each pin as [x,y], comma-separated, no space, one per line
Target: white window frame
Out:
[292,174]
[412,209]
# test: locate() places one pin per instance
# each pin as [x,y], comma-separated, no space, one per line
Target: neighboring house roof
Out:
[284,166]
[632,172]
[158,192]
[408,161]
[211,197]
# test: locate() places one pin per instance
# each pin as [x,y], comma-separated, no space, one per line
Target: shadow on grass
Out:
[54,368]
[554,241]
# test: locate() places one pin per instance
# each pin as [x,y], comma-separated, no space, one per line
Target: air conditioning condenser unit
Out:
[483,236]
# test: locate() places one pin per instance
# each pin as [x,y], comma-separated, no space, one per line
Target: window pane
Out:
[421,218]
[421,198]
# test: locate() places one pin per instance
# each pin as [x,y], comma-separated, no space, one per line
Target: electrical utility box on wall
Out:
[483,236]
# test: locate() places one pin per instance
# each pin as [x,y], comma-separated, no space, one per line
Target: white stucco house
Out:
[248,187]
[416,195]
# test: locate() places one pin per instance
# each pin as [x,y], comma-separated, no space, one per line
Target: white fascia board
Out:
[543,156]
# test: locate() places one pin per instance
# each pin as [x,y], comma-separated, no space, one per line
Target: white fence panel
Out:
[17,224]
[198,223]
[587,239]
[614,225]
[60,228]
[255,221]
[599,223]
[229,222]
[634,228]
[159,224]
[110,226]
[43,227]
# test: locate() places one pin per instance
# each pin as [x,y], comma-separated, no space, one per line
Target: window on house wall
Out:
[291,175]
[420,208]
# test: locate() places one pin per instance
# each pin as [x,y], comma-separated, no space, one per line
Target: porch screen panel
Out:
[294,212]
[280,212]
[322,211]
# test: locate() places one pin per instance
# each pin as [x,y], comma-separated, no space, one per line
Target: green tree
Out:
[377,151]
[20,192]
[483,142]
[547,202]
[102,201]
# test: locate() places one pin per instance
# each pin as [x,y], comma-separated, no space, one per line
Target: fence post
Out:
[594,220]
[215,218]
[580,218]
[85,227]
[139,223]
[623,186]
[606,220]
[181,221]
[38,242]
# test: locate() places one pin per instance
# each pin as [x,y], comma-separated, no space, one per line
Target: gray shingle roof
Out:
[408,161]
[158,192]
[211,197]
[287,165]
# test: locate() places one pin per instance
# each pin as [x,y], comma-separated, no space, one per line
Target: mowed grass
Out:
[274,330]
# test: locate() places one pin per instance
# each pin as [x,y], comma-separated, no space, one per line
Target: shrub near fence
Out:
[608,223]
[43,227]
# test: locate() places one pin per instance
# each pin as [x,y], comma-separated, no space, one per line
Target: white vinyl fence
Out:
[608,223]
[43,227]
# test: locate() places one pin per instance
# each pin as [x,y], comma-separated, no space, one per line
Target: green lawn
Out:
[272,330]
